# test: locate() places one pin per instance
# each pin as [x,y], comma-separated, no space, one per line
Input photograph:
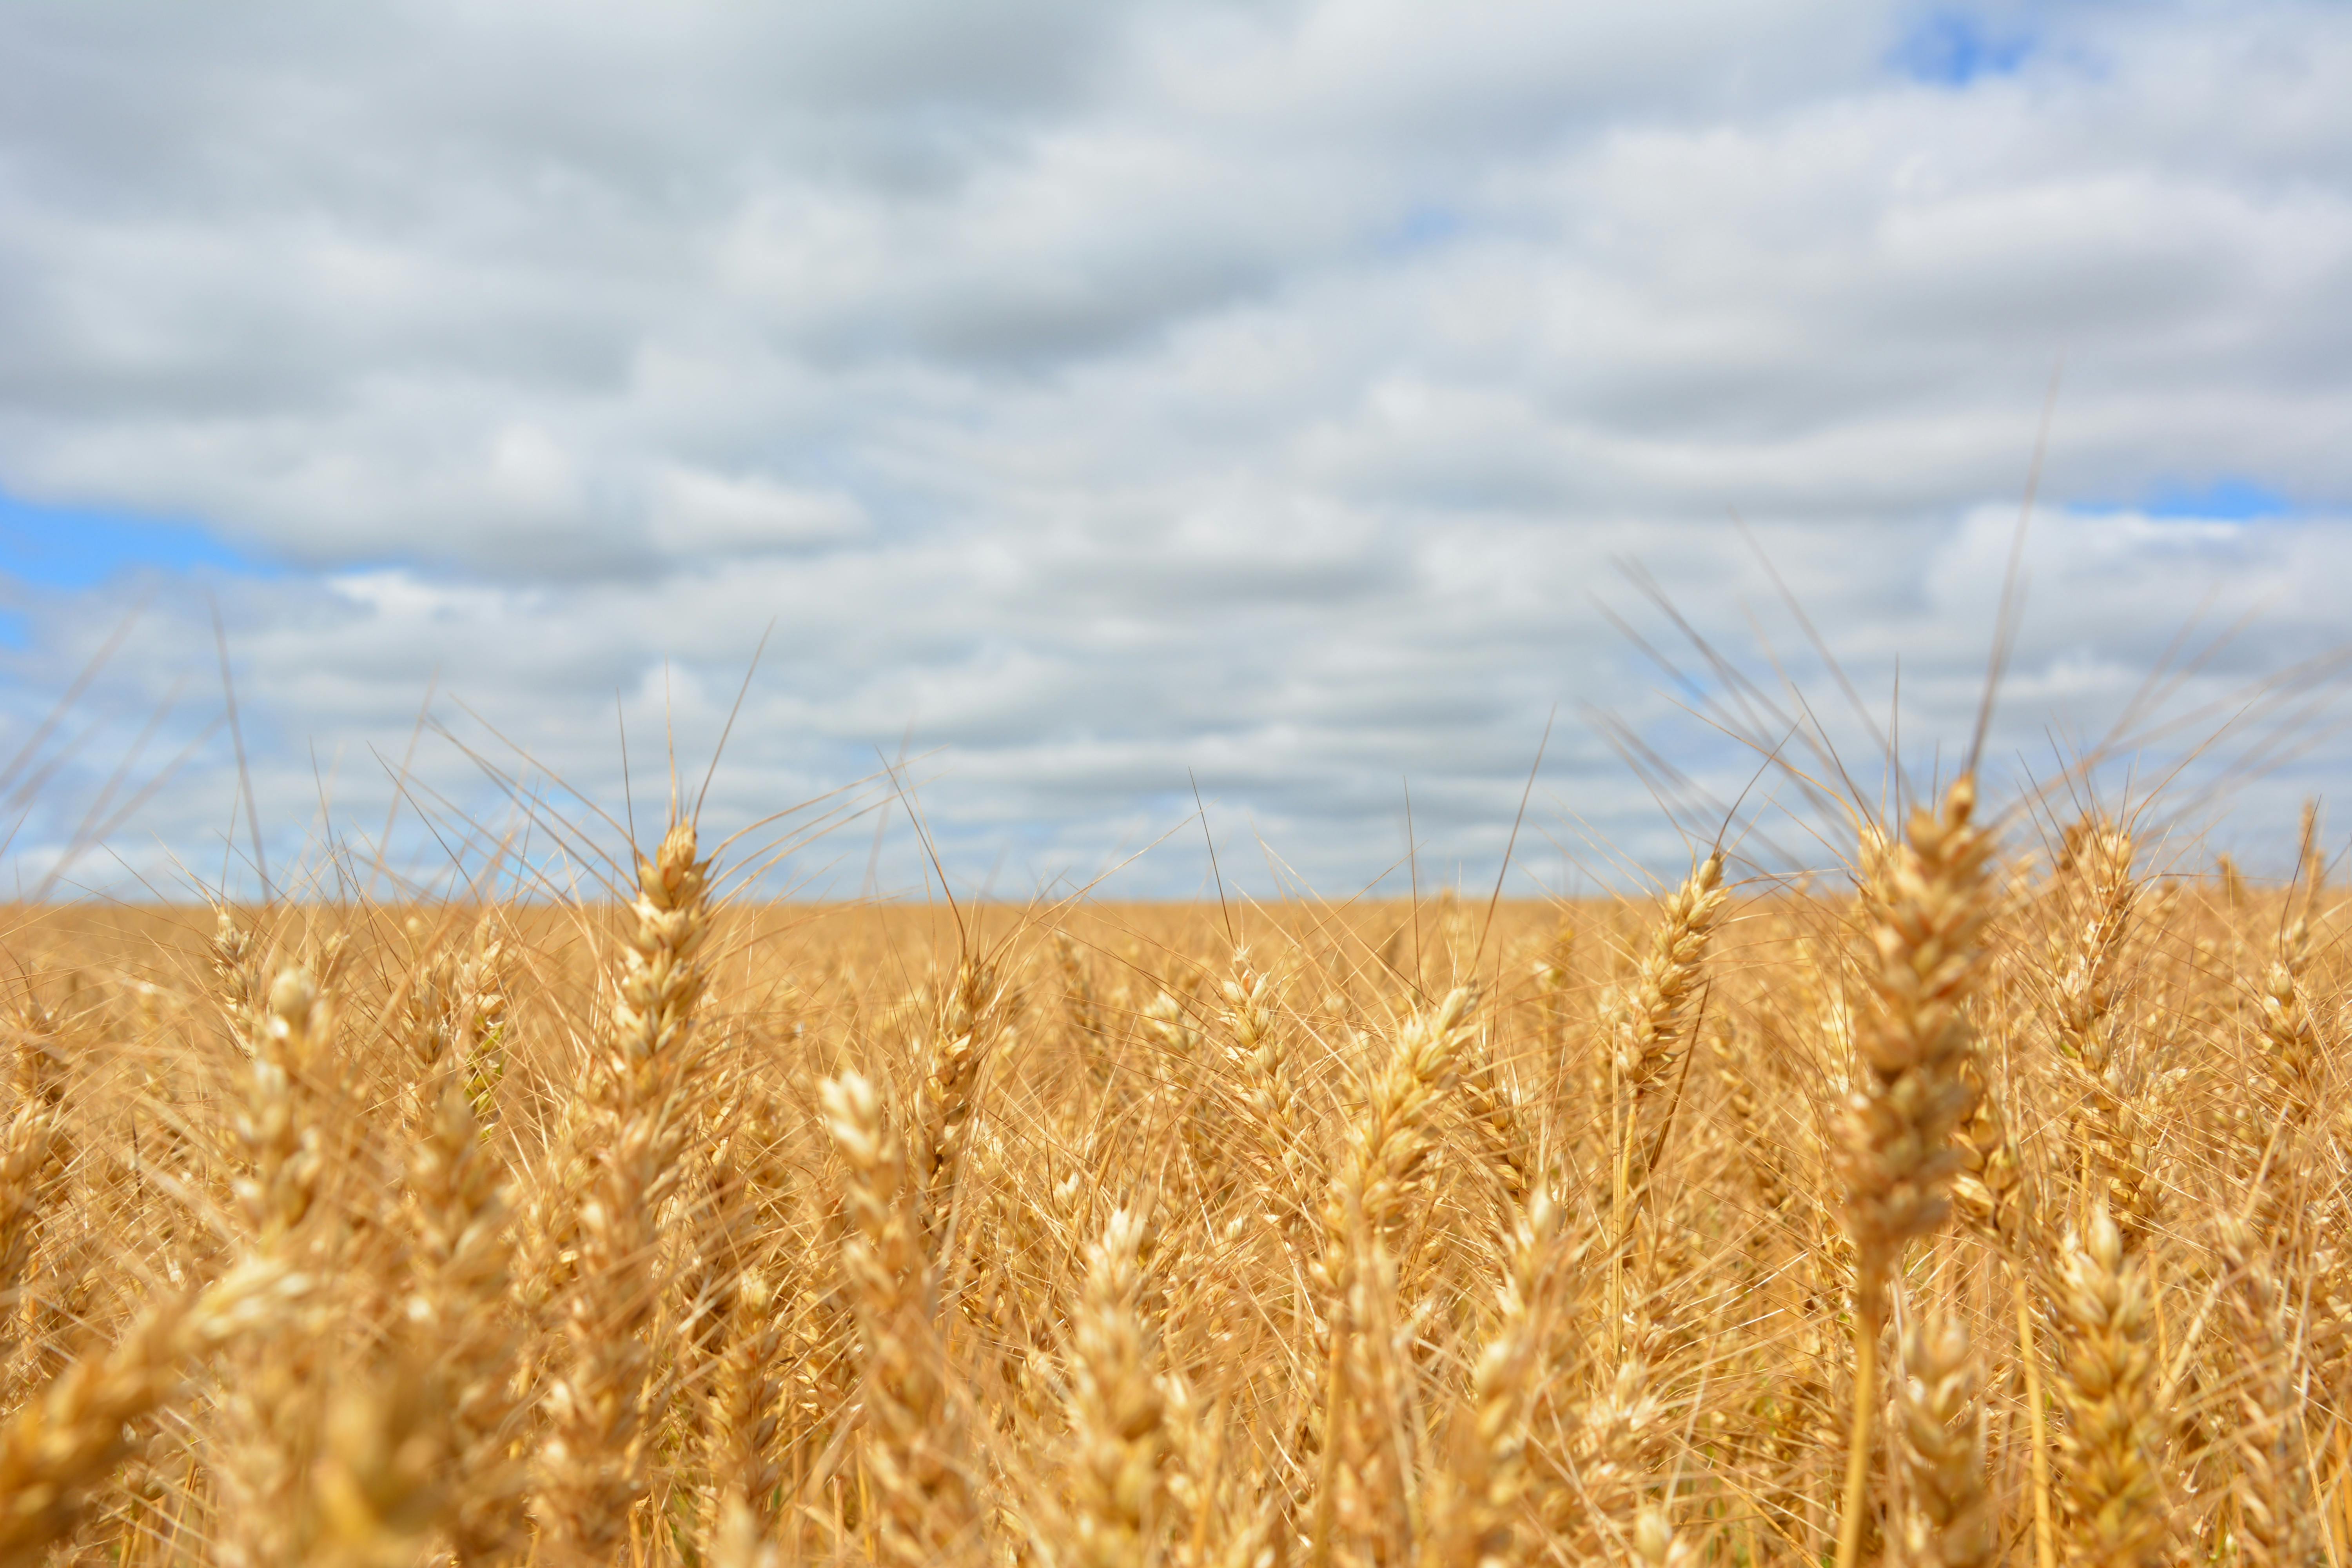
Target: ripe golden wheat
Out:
[1987,1205]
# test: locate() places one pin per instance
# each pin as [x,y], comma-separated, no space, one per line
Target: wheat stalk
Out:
[746,1416]
[459,1211]
[1115,1405]
[602,1407]
[1648,1035]
[928,1513]
[1470,1520]
[1361,1492]
[1926,903]
[2106,1380]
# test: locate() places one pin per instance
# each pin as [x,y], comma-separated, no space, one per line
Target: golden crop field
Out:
[1987,1205]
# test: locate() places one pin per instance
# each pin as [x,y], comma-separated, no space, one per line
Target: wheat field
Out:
[1981,1202]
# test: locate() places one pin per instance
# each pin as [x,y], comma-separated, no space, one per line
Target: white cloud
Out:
[695,510]
[1266,390]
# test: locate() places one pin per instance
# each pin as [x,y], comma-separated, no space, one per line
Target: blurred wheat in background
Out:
[1985,1205]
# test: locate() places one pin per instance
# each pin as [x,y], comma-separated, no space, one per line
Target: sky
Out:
[1121,428]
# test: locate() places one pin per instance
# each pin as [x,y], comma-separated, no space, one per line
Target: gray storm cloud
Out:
[1099,397]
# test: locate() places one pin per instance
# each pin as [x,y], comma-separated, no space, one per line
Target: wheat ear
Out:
[2291,1054]
[1649,1034]
[2276,1519]
[1386,1149]
[462,1258]
[2100,865]
[928,1514]
[2115,1136]
[1952,1524]
[230,951]
[746,1415]
[277,1124]
[964,1030]
[1261,1055]
[600,1406]
[1470,1522]
[1116,1411]
[61,1445]
[1925,904]
[1389,1144]
[272,1399]
[2106,1381]
[27,1173]
[1646,1037]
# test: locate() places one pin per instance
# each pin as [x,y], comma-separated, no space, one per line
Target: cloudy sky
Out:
[1308,399]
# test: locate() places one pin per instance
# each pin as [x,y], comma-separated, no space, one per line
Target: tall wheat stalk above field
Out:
[603,1405]
[1925,904]
[1647,1037]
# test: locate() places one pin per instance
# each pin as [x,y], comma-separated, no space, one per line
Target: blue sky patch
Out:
[2228,498]
[1426,224]
[76,547]
[1952,49]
